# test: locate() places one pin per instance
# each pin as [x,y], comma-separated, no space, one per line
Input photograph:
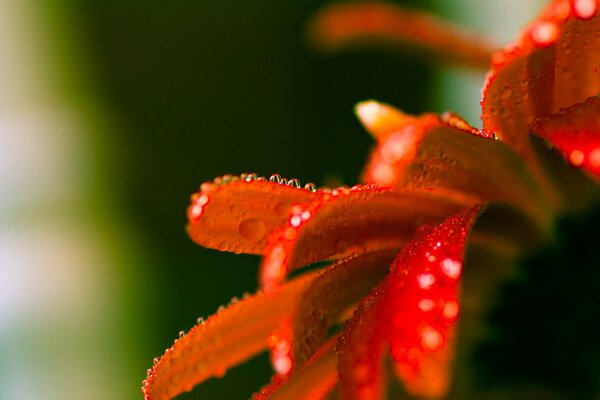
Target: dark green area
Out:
[544,331]
[203,88]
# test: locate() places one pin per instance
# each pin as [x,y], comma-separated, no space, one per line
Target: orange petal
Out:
[340,26]
[421,305]
[431,152]
[227,338]
[575,131]
[357,220]
[313,382]
[361,350]
[554,64]
[237,213]
[335,290]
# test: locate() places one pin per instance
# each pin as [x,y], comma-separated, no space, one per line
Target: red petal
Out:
[553,65]
[428,152]
[364,218]
[575,131]
[361,350]
[334,291]
[227,338]
[373,23]
[421,305]
[313,382]
[237,213]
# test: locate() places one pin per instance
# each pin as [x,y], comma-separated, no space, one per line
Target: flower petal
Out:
[431,152]
[227,338]
[421,305]
[237,213]
[364,218]
[575,131]
[313,382]
[554,64]
[385,24]
[361,350]
[335,290]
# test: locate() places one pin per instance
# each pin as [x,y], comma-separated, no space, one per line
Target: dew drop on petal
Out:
[252,229]
[425,280]
[452,268]
[310,186]
[431,339]
[451,309]
[294,183]
[594,158]
[426,305]
[544,33]
[295,220]
[585,9]
[276,178]
[576,157]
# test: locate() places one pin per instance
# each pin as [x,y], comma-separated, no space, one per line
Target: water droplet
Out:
[431,339]
[155,360]
[452,268]
[234,300]
[252,229]
[251,177]
[294,183]
[585,9]
[310,186]
[181,334]
[544,33]
[200,320]
[276,178]
[425,280]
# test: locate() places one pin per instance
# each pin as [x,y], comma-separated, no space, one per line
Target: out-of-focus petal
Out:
[361,219]
[361,349]
[421,306]
[433,152]
[575,131]
[554,64]
[227,338]
[313,382]
[370,24]
[237,213]
[335,290]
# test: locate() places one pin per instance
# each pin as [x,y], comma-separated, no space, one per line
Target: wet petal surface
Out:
[236,213]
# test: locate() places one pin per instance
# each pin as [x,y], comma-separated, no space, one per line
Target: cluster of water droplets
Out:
[251,177]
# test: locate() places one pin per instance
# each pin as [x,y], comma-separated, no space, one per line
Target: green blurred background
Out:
[112,113]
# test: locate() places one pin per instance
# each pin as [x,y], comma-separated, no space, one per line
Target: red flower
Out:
[398,241]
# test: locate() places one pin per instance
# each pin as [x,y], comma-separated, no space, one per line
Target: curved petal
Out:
[335,290]
[554,64]
[421,305]
[361,349]
[227,338]
[357,220]
[237,213]
[313,382]
[434,152]
[385,24]
[575,131]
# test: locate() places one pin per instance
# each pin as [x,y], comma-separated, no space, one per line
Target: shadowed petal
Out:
[357,220]
[421,306]
[237,213]
[338,288]
[384,24]
[313,382]
[575,131]
[227,338]
[361,349]
[554,64]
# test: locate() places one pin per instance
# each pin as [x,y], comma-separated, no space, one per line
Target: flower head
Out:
[396,243]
